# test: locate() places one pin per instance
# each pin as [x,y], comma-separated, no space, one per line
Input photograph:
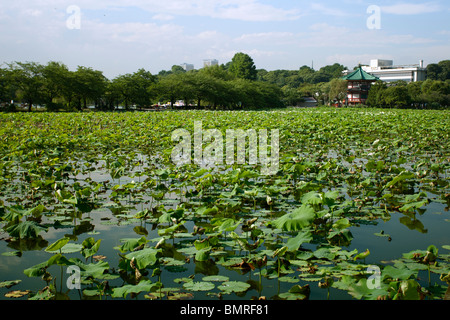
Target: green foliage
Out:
[243,67]
[296,220]
[25,229]
[427,94]
[236,85]
[439,71]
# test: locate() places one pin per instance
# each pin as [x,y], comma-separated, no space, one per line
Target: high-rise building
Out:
[187,66]
[210,62]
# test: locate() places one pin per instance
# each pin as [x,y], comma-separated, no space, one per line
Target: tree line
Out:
[428,94]
[234,85]
[237,84]
[433,93]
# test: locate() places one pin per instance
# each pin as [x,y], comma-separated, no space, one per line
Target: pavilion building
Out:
[359,83]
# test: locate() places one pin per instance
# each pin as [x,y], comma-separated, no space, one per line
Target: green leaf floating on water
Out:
[296,220]
[390,272]
[216,278]
[9,284]
[199,286]
[122,292]
[95,270]
[302,237]
[71,248]
[129,244]
[234,286]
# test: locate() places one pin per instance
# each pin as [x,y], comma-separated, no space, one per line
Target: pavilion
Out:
[359,83]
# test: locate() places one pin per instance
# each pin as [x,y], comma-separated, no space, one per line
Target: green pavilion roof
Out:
[360,74]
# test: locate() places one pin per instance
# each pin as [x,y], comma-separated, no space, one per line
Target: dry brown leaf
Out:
[99,257]
[17,294]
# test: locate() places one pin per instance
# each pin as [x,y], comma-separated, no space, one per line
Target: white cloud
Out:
[325,35]
[251,10]
[163,17]
[326,10]
[267,38]
[178,31]
[244,10]
[411,8]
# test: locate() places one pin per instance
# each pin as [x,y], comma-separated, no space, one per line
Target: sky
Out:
[119,37]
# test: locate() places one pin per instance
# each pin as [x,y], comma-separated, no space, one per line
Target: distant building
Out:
[187,67]
[359,83]
[210,62]
[387,72]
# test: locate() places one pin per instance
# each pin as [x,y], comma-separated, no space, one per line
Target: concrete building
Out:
[210,62]
[386,71]
[187,66]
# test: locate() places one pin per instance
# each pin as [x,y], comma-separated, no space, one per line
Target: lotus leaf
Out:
[198,286]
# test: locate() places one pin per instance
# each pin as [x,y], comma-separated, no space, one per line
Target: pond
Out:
[98,193]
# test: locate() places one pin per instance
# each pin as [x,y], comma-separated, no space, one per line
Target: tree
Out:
[178,69]
[123,85]
[397,96]
[135,88]
[205,86]
[68,87]
[168,88]
[6,87]
[307,90]
[322,92]
[54,73]
[445,70]
[281,78]
[439,71]
[376,94]
[28,79]
[112,95]
[338,89]
[142,82]
[436,92]
[218,72]
[433,71]
[332,71]
[291,96]
[90,85]
[243,67]
[306,73]
[415,93]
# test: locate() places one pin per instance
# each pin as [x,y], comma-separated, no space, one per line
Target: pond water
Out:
[111,225]
[344,187]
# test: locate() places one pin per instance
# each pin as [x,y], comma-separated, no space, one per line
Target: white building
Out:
[187,66]
[210,62]
[387,72]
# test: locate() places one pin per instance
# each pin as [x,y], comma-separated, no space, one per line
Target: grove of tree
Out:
[235,85]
